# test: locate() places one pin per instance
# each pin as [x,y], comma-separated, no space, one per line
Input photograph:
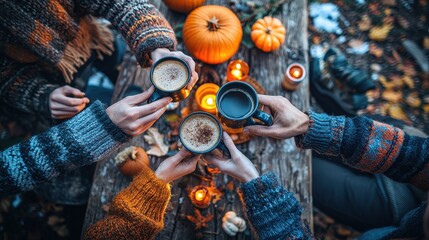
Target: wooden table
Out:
[290,164]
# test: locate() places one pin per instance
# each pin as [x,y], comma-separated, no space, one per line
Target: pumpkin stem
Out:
[213,24]
[268,31]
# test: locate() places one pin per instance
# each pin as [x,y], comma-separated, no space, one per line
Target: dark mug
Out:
[201,133]
[237,106]
[170,77]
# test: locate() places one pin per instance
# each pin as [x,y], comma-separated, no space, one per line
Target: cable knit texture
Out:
[374,147]
[273,211]
[137,212]
[88,137]
[40,39]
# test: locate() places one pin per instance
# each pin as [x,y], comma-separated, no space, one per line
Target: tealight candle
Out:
[295,74]
[237,70]
[206,97]
[200,196]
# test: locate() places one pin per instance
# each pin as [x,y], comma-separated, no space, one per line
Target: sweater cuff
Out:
[93,129]
[324,135]
[147,195]
[265,192]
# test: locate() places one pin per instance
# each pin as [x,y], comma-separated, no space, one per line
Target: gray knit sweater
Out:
[88,137]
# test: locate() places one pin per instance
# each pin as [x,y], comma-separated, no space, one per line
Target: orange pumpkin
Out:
[268,34]
[183,6]
[134,159]
[212,34]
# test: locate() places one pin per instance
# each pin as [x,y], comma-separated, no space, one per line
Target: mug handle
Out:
[264,117]
[221,146]
[156,95]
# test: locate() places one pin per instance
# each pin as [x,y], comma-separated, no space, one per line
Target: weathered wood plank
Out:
[290,164]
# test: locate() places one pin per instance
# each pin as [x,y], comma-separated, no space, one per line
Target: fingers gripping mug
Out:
[170,76]
[237,104]
[201,132]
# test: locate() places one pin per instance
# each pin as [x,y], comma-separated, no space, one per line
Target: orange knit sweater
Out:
[137,212]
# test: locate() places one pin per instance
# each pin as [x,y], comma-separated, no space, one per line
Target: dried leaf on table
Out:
[397,112]
[375,50]
[199,220]
[365,23]
[426,42]
[408,81]
[408,69]
[426,108]
[394,82]
[156,140]
[316,39]
[380,33]
[413,100]
[392,96]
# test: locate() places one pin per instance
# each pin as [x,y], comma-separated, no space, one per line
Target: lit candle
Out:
[200,196]
[206,97]
[295,74]
[237,70]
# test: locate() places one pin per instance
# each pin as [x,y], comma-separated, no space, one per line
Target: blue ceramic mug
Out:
[201,133]
[170,77]
[237,106]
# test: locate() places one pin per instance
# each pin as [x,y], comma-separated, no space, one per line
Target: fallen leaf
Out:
[380,33]
[316,39]
[375,50]
[408,81]
[396,112]
[413,100]
[365,23]
[408,69]
[426,42]
[156,140]
[426,108]
[392,96]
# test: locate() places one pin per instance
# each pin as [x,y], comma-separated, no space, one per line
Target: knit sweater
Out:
[360,143]
[88,137]
[137,212]
[44,42]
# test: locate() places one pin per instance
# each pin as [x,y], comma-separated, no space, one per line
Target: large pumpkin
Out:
[212,34]
[183,6]
[268,34]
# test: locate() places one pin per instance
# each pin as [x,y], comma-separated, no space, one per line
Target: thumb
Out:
[73,91]
[229,144]
[182,154]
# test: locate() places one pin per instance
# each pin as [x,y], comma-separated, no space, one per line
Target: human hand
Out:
[288,121]
[66,101]
[177,166]
[238,166]
[132,117]
[164,52]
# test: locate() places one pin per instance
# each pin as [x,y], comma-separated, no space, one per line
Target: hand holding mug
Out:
[237,166]
[132,117]
[288,120]
[66,101]
[159,53]
[177,166]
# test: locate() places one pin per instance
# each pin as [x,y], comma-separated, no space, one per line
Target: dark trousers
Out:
[361,200]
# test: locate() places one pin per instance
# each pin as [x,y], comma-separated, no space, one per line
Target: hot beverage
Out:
[200,133]
[170,75]
[236,103]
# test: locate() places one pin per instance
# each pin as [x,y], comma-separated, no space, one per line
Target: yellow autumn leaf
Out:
[407,80]
[426,108]
[380,33]
[396,112]
[413,100]
[392,96]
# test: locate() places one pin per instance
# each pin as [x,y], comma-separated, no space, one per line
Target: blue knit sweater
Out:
[360,143]
[88,137]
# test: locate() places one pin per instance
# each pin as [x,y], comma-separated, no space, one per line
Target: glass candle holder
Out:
[295,74]
[205,97]
[200,196]
[237,70]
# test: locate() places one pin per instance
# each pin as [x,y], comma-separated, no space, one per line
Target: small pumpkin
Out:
[183,6]
[131,161]
[212,34]
[268,34]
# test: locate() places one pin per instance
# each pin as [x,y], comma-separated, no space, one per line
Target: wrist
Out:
[249,176]
[160,176]
[304,123]
[158,53]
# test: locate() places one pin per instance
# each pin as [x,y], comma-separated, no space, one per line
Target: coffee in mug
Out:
[236,103]
[170,76]
[200,133]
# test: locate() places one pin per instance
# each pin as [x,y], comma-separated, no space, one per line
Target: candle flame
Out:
[238,66]
[296,73]
[200,195]
[210,101]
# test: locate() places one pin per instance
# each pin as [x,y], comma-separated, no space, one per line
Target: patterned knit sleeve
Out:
[23,87]
[140,23]
[370,146]
[272,210]
[137,212]
[87,137]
